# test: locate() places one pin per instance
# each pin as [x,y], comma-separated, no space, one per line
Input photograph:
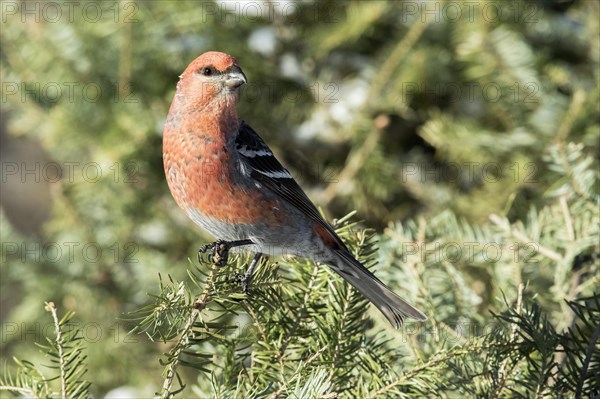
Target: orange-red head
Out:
[211,76]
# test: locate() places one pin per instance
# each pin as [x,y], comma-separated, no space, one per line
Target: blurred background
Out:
[400,110]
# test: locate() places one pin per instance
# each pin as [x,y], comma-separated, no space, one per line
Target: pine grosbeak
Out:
[224,176]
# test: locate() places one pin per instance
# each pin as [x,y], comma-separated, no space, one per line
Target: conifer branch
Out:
[59,346]
[183,341]
[522,237]
[591,347]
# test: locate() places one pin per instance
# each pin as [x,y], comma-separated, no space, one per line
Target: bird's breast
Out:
[204,179]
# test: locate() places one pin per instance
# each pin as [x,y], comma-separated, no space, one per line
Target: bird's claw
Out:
[218,252]
[244,279]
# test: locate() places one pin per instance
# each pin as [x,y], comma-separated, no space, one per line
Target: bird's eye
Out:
[207,71]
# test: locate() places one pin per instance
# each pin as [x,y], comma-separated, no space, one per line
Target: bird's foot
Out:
[218,251]
[245,278]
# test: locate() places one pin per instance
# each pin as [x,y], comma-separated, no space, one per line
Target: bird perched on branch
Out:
[227,180]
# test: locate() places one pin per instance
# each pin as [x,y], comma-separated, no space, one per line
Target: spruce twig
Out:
[183,342]
[59,346]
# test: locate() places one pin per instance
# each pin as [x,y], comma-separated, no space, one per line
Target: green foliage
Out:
[525,356]
[65,351]
[308,326]
[469,144]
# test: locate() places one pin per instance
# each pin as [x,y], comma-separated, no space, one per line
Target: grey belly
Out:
[284,240]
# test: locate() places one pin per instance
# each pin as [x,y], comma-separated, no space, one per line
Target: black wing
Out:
[259,163]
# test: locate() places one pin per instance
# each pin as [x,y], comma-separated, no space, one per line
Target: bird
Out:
[226,179]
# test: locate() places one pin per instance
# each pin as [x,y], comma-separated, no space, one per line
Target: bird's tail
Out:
[394,308]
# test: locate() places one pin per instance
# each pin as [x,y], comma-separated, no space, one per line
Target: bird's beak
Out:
[235,78]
